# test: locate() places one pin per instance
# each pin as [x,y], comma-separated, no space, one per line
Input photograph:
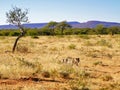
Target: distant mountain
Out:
[93,24]
[29,25]
[89,24]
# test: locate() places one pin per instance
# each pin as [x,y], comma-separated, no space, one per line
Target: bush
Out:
[107,78]
[98,63]
[4,32]
[45,74]
[68,32]
[88,43]
[64,75]
[35,37]
[14,33]
[72,46]
[32,32]
[78,85]
[22,49]
[23,62]
[84,36]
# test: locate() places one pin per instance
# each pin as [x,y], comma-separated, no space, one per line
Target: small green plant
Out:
[54,74]
[72,46]
[97,63]
[23,62]
[78,85]
[84,74]
[38,68]
[103,42]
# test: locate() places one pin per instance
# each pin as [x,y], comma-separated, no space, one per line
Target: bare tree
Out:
[16,16]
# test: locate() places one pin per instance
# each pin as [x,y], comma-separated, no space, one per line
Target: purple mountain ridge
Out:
[74,24]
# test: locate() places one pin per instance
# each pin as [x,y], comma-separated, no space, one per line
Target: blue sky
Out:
[59,10]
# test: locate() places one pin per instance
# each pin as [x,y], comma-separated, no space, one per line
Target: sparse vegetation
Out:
[52,28]
[78,85]
[107,78]
[103,42]
[37,63]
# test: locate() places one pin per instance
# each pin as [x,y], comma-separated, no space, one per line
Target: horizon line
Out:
[65,20]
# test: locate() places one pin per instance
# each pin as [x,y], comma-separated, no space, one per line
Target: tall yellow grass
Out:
[99,67]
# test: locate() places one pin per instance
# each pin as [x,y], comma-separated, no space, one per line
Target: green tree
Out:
[62,26]
[113,30]
[16,16]
[100,29]
[51,26]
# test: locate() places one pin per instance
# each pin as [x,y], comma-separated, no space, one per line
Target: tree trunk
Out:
[53,32]
[21,35]
[62,31]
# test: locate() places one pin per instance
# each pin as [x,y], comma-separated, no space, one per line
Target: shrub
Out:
[5,32]
[103,42]
[64,75]
[68,32]
[14,33]
[107,78]
[45,74]
[78,85]
[54,73]
[98,63]
[88,43]
[66,70]
[72,46]
[22,49]
[84,36]
[23,62]
[35,37]
[84,74]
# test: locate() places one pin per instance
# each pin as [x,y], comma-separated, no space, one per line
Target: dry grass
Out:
[37,65]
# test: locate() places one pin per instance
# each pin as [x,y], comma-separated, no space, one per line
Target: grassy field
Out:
[37,63]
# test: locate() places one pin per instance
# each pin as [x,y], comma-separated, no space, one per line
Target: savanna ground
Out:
[37,63]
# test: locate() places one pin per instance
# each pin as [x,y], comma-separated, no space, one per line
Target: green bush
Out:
[4,32]
[84,36]
[78,85]
[32,32]
[98,30]
[35,37]
[72,46]
[98,63]
[14,33]
[103,42]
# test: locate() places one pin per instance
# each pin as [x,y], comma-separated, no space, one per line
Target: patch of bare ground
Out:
[32,82]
